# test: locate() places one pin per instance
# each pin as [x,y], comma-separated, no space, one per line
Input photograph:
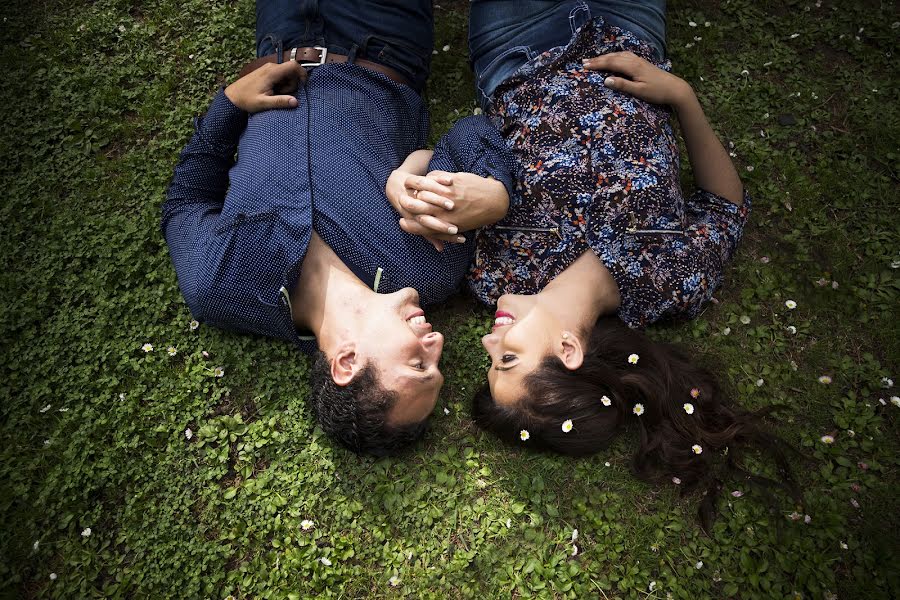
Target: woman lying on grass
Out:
[598,226]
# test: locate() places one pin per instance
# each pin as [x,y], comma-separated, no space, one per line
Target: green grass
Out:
[98,99]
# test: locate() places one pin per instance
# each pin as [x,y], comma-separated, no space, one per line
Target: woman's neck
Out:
[582,293]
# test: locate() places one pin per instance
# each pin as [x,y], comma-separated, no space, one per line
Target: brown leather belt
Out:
[314,56]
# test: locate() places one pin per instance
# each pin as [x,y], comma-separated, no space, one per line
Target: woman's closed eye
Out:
[506,359]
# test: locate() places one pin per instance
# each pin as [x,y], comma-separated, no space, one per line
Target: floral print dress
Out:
[598,170]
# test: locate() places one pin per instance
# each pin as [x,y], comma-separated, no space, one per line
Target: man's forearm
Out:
[713,169]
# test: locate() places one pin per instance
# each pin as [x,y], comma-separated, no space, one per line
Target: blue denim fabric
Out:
[395,33]
[505,34]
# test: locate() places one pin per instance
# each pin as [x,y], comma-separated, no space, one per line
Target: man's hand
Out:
[267,87]
[641,79]
[443,204]
[399,195]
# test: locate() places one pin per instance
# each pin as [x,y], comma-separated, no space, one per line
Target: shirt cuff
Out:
[223,123]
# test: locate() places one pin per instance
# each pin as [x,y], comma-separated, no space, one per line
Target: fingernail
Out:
[449,205]
[452,229]
[608,82]
[460,239]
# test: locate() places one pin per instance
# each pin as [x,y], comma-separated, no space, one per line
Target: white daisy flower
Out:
[325,561]
[194,325]
[172,350]
[692,23]
[36,545]
[824,379]
[760,382]
[697,449]
[86,532]
[524,435]
[676,480]
[148,347]
[887,382]
[737,493]
[688,408]
[854,503]
[606,464]
[52,576]
[807,519]
[394,581]
[633,358]
[844,546]
[446,411]
[446,48]
[726,331]
[508,523]
[574,550]
[46,408]
[699,564]
[744,319]
[188,434]
[306,524]
[895,400]
[792,330]
[606,401]
[795,516]
[219,372]
[567,426]
[790,304]
[477,111]
[574,535]
[652,586]
[827,439]
[638,409]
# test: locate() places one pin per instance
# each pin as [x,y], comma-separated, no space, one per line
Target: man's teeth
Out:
[501,321]
[420,320]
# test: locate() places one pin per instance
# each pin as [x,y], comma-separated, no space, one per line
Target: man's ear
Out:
[569,350]
[344,364]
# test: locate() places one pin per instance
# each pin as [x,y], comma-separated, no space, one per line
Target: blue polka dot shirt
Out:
[238,229]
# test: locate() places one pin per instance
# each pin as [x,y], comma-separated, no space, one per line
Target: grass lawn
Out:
[102,493]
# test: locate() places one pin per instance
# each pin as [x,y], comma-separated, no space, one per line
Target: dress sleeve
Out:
[674,276]
[473,145]
[197,192]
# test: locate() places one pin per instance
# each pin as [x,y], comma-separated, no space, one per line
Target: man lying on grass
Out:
[296,238]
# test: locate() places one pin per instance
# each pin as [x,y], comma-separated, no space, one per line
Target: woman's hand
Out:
[267,87]
[443,204]
[400,195]
[641,79]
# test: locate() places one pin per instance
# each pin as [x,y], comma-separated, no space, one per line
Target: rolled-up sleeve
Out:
[197,192]
[473,145]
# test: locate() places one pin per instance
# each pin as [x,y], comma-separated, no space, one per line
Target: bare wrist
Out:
[684,95]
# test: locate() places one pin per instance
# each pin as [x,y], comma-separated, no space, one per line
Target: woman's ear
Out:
[570,351]
[344,364]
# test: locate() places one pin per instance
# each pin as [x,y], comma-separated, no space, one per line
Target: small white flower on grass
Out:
[52,576]
[726,331]
[508,523]
[697,449]
[792,330]
[807,519]
[633,358]
[121,397]
[760,382]
[737,493]
[698,38]
[574,535]
[477,111]
[194,325]
[46,442]
[692,23]
[394,581]
[744,319]
[606,464]
[750,168]
[524,435]
[188,434]
[63,409]
[574,550]
[887,382]
[219,372]
[46,408]
[676,481]
[854,503]
[844,546]
[121,29]
[699,564]
[86,532]
[148,347]
[882,400]
[688,408]
[827,439]
[172,350]
[824,379]
[795,516]
[895,264]
[306,524]
[204,354]
[652,586]
[567,426]
[790,304]
[765,259]
[795,36]
[446,411]
[606,401]
[325,561]
[835,285]
[36,545]
[446,48]
[707,24]
[638,409]
[895,400]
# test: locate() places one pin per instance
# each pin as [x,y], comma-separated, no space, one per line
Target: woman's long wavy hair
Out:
[662,381]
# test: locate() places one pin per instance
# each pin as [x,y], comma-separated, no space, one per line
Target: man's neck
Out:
[328,296]
[582,293]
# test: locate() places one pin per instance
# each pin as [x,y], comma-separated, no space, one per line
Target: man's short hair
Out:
[356,414]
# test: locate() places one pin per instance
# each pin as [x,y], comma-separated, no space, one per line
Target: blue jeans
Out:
[395,33]
[505,34]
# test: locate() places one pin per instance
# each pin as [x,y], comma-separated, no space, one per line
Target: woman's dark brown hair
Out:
[662,381]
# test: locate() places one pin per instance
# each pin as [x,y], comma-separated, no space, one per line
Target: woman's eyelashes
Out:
[507,358]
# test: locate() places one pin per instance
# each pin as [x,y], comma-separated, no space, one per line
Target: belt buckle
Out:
[323,53]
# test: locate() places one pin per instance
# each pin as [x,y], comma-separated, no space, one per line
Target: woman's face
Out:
[524,333]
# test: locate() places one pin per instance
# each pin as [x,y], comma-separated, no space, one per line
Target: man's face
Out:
[398,338]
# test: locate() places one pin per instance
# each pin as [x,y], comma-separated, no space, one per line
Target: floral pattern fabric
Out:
[598,170]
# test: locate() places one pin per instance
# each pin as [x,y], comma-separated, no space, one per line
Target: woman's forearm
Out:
[417,162]
[713,169]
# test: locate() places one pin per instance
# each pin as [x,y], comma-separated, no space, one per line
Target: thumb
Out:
[270,102]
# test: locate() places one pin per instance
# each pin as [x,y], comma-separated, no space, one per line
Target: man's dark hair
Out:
[356,414]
